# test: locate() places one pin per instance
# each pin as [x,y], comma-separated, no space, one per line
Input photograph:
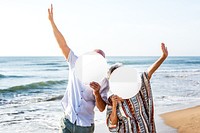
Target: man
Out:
[78,101]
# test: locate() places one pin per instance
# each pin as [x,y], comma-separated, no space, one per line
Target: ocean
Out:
[31,89]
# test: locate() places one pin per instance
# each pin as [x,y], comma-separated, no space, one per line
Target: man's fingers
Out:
[95,84]
[48,10]
[92,86]
[51,7]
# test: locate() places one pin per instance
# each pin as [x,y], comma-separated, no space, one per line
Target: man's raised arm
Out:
[59,37]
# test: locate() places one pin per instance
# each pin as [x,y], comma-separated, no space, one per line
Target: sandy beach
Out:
[185,121]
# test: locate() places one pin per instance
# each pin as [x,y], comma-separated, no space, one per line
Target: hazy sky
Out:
[119,27]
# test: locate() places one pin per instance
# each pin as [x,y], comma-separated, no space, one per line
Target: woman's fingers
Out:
[116,98]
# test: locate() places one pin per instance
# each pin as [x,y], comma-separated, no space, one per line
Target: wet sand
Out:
[185,121]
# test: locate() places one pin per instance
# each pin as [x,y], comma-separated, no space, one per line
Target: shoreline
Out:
[185,120]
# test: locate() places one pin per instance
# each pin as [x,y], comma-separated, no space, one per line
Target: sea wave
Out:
[19,102]
[50,70]
[46,64]
[193,62]
[129,62]
[55,98]
[2,76]
[37,85]
[12,76]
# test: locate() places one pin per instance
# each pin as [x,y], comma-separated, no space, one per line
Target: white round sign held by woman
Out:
[90,67]
[125,82]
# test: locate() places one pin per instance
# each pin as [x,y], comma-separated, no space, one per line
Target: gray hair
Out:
[99,51]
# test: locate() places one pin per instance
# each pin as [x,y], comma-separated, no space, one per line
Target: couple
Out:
[123,115]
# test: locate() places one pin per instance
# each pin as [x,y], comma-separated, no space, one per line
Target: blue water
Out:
[31,89]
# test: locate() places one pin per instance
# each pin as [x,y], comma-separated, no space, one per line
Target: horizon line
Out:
[106,56]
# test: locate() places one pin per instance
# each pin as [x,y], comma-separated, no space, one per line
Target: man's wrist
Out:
[97,94]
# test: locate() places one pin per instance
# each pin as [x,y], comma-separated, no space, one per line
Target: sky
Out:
[118,27]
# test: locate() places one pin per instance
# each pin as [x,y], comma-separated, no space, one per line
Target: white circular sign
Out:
[125,82]
[90,67]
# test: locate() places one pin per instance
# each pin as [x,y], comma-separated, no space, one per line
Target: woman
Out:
[134,115]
